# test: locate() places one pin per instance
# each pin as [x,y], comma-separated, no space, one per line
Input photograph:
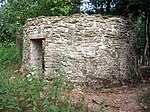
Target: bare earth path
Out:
[122,99]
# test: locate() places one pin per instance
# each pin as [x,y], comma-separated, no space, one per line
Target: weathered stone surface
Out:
[95,51]
[37,36]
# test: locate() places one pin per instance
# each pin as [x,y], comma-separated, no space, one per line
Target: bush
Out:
[31,93]
[9,54]
[144,98]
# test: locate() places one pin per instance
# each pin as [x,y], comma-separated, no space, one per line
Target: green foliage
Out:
[14,14]
[139,29]
[31,93]
[8,53]
[128,8]
[138,11]
[144,98]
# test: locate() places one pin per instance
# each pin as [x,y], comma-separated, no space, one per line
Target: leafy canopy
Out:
[14,14]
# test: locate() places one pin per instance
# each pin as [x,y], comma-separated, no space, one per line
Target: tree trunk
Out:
[146,50]
[148,33]
[18,44]
[18,40]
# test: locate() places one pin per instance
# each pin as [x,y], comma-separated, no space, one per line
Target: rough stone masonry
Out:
[95,51]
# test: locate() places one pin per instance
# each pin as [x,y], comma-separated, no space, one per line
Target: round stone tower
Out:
[94,51]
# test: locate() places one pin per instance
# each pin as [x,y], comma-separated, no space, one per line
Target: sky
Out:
[2,3]
[86,5]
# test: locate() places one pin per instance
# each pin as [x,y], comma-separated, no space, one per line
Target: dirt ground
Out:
[120,99]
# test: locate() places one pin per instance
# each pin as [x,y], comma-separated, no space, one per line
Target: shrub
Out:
[33,94]
[144,98]
[8,53]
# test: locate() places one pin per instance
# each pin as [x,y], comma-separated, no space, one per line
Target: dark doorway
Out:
[37,55]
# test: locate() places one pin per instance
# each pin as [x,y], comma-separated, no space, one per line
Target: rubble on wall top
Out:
[54,19]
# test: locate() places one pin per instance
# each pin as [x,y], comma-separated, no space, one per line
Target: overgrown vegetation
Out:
[9,54]
[30,93]
[144,97]
[18,93]
[14,14]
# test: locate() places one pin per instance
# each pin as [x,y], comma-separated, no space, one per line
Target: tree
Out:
[133,9]
[14,14]
[141,8]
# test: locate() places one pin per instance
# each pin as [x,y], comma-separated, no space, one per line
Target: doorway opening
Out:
[37,55]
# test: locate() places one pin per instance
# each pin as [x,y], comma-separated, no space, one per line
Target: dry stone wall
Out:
[94,51]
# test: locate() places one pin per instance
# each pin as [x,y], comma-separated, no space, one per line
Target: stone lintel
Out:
[43,35]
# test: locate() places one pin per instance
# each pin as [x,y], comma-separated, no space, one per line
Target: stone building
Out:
[95,51]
